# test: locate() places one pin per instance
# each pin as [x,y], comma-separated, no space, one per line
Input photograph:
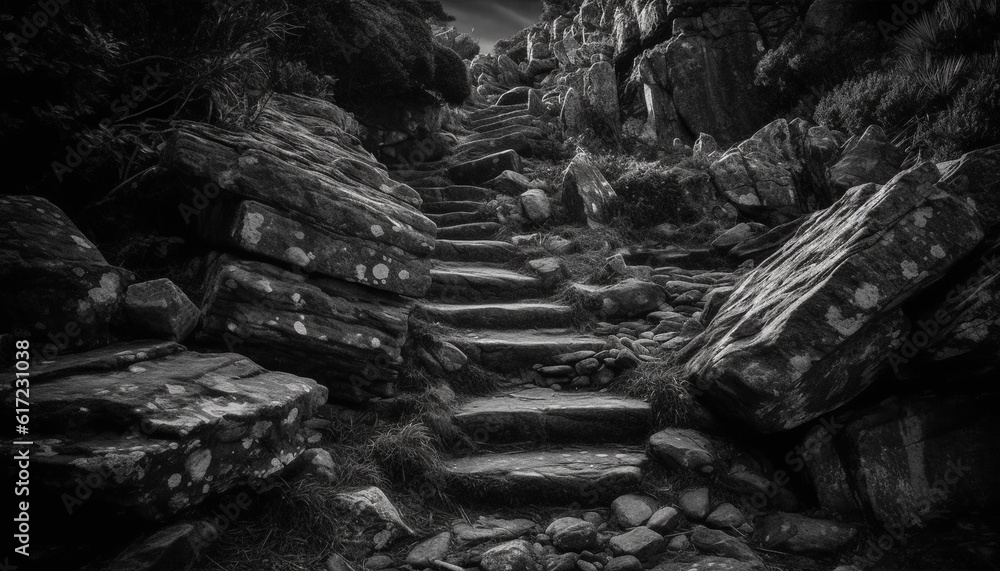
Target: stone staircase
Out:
[533,444]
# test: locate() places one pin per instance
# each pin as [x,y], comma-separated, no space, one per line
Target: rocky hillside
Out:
[626,294]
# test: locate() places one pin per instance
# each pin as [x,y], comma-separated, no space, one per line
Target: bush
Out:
[940,94]
[451,77]
[649,193]
[888,98]
[803,64]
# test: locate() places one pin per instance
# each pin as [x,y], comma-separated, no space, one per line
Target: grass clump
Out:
[663,385]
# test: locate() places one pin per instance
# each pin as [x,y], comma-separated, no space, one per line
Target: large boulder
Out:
[802,534]
[56,289]
[868,158]
[705,71]
[777,174]
[629,298]
[159,309]
[976,175]
[345,335]
[811,327]
[155,430]
[586,194]
[332,211]
[600,87]
[913,459]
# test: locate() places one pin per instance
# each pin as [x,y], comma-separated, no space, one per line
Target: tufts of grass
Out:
[663,385]
[406,453]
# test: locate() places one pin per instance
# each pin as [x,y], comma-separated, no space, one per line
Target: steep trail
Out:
[532,444]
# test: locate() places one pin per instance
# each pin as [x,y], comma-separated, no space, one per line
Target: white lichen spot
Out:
[297,256]
[801,363]
[82,243]
[251,228]
[867,296]
[404,275]
[264,286]
[377,230]
[231,327]
[107,292]
[843,325]
[938,252]
[380,271]
[910,269]
[360,270]
[296,297]
[174,480]
[292,415]
[300,328]
[376,343]
[299,235]
[921,216]
[197,464]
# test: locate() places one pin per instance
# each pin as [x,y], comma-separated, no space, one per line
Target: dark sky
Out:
[492,20]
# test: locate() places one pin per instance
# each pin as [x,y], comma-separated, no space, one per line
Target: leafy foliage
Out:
[90,91]
[939,94]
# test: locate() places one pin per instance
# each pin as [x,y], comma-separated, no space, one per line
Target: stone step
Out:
[475,251]
[514,351]
[494,110]
[519,121]
[458,218]
[517,142]
[485,168]
[474,231]
[451,206]
[525,315]
[473,124]
[464,283]
[456,193]
[544,415]
[529,132]
[588,476]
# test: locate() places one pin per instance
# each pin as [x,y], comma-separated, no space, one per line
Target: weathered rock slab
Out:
[809,329]
[159,436]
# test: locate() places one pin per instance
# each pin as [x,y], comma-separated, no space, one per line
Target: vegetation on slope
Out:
[931,83]
[91,87]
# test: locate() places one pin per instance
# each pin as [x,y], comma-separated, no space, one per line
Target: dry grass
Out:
[663,385]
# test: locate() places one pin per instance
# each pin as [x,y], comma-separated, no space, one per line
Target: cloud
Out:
[493,20]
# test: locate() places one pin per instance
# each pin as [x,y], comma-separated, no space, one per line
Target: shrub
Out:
[887,97]
[804,63]
[451,77]
[649,193]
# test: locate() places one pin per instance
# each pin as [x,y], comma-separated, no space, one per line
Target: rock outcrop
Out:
[911,460]
[810,328]
[56,289]
[331,210]
[342,334]
[155,430]
[323,248]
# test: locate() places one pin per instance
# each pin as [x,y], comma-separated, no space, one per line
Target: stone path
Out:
[536,445]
